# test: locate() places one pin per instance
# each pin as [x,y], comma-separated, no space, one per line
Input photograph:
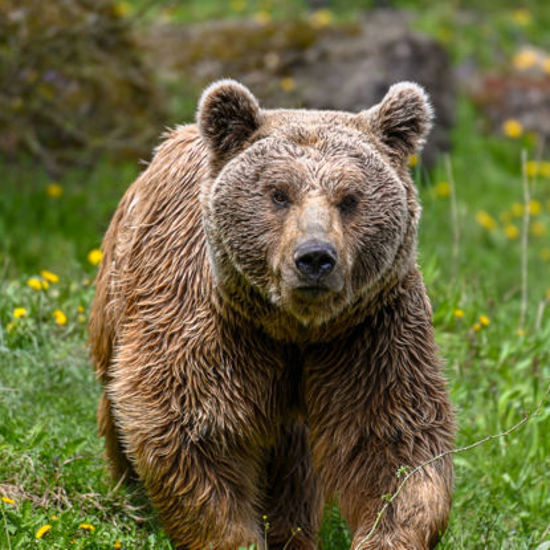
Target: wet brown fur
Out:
[230,395]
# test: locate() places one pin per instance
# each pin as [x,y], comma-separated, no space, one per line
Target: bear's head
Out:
[309,211]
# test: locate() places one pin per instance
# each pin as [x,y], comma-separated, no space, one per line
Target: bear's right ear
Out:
[227,116]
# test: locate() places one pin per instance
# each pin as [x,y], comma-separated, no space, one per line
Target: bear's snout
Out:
[315,259]
[311,256]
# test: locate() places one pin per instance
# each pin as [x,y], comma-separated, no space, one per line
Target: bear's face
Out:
[310,208]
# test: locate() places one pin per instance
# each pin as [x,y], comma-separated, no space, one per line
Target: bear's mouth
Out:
[311,292]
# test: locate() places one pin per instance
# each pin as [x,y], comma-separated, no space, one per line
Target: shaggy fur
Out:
[236,383]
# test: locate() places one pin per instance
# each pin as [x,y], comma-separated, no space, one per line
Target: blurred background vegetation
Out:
[86,88]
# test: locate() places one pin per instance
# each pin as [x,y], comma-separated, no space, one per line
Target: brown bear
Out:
[263,333]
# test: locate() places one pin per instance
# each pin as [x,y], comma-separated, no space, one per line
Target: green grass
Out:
[51,458]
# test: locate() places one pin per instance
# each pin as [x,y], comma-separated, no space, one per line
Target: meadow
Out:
[485,255]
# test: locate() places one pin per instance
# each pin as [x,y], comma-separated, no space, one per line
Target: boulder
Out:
[306,64]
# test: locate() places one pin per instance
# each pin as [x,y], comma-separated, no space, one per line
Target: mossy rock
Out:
[300,64]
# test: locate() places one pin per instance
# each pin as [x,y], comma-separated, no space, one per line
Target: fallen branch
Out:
[390,499]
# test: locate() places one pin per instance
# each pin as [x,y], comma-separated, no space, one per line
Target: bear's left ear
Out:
[402,120]
[227,116]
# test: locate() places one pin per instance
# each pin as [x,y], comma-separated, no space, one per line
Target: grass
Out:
[51,470]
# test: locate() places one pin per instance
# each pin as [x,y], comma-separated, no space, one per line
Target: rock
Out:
[303,64]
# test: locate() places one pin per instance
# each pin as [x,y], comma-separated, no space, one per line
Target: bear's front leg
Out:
[377,402]
[205,491]
[193,424]
[415,520]
[205,500]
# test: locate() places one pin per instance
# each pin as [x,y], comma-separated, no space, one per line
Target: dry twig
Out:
[400,487]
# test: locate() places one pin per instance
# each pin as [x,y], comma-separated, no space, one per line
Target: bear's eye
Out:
[280,198]
[348,204]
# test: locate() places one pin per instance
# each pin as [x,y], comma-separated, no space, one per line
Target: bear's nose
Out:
[315,259]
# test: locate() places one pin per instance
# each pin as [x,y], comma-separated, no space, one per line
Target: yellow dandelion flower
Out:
[60,317]
[486,221]
[538,229]
[532,168]
[287,84]
[477,327]
[54,190]
[511,231]
[544,169]
[95,256]
[54,517]
[512,128]
[262,17]
[49,276]
[546,65]
[521,17]
[535,208]
[81,318]
[34,283]
[545,254]
[19,312]
[443,189]
[321,18]
[484,320]
[413,161]
[8,500]
[86,527]
[237,5]
[122,9]
[80,309]
[42,531]
[117,544]
[38,284]
[517,209]
[458,313]
[520,332]
[525,59]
